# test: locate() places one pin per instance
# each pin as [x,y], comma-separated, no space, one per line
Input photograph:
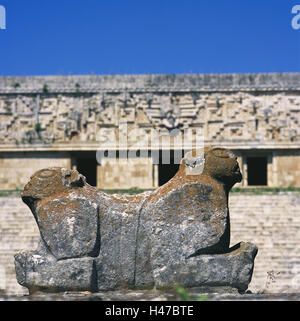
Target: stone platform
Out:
[154,295]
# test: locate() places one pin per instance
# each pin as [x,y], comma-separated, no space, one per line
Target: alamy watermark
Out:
[138,143]
[126,145]
[2,17]
[296,18]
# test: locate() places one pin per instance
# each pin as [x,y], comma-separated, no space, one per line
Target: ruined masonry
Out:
[63,120]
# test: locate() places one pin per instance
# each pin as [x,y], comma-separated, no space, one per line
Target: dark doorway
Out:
[166,171]
[88,168]
[257,171]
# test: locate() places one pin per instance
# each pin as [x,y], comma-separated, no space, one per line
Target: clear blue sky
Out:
[55,37]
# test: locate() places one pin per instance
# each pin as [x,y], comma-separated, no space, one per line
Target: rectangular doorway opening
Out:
[257,171]
[88,168]
[166,168]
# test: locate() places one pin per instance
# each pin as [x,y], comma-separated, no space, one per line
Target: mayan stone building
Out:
[64,120]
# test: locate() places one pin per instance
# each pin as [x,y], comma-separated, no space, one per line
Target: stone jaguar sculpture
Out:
[62,204]
[178,234]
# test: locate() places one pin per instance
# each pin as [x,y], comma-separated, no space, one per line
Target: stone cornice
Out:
[150,83]
[67,147]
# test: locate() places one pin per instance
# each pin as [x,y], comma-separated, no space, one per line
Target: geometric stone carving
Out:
[245,113]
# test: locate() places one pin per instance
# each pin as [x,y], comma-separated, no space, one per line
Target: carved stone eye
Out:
[222,153]
[46,173]
[67,173]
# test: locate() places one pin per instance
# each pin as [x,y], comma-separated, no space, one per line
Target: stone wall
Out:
[248,113]
[58,120]
[272,222]
[18,231]
[257,110]
[127,174]
[286,168]
[16,168]
[159,82]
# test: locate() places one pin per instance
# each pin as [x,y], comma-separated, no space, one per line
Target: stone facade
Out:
[255,115]
[126,174]
[270,221]
[16,167]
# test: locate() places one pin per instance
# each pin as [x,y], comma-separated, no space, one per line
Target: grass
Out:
[237,190]
[265,190]
[10,193]
[184,295]
[133,191]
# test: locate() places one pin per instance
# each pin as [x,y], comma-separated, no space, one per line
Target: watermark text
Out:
[296,18]
[2,17]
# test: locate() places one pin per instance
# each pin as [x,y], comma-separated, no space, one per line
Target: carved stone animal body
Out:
[177,234]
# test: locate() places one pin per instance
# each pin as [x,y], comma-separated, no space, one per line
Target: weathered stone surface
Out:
[39,273]
[189,215]
[232,269]
[250,215]
[119,225]
[69,226]
[66,215]
[178,234]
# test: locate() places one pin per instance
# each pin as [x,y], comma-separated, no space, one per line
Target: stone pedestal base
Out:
[44,274]
[41,272]
[233,269]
